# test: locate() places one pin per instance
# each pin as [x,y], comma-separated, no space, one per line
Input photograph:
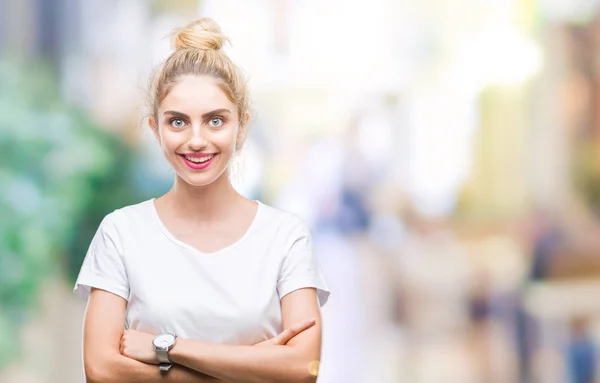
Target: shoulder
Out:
[288,226]
[283,218]
[122,218]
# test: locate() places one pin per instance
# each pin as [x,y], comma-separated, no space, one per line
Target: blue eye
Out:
[216,122]
[177,123]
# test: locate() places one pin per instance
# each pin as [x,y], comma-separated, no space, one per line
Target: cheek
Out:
[168,142]
[234,138]
[227,139]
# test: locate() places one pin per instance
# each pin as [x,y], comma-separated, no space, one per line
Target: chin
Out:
[200,179]
[198,182]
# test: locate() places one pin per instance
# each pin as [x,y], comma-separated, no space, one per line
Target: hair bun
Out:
[204,34]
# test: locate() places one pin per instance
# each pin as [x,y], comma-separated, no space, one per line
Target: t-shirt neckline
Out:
[185,245]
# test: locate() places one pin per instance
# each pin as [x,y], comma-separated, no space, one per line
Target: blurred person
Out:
[581,353]
[340,216]
[316,204]
[545,234]
[198,284]
[484,324]
[332,214]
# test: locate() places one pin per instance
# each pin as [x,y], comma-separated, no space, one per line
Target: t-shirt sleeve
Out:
[299,268]
[103,266]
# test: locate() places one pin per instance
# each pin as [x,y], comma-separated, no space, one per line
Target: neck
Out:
[205,202]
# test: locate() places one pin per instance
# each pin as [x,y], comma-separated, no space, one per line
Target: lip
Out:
[196,155]
[194,165]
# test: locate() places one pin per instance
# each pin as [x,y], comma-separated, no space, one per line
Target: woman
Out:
[203,279]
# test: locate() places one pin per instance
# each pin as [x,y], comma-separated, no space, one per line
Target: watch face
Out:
[164,340]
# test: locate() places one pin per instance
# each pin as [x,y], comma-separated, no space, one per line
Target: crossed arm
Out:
[112,355]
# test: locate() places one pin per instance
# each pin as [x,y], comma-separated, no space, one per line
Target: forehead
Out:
[196,95]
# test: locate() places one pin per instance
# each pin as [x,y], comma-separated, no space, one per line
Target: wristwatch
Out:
[162,344]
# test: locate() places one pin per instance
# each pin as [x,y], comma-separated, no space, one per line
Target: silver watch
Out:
[162,344]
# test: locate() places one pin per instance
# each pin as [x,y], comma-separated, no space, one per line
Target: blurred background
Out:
[446,155]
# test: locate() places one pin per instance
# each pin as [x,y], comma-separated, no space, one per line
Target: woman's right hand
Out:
[287,334]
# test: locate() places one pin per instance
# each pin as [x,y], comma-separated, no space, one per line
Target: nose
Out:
[197,140]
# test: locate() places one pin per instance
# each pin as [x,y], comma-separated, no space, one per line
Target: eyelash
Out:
[217,118]
[175,119]
[223,120]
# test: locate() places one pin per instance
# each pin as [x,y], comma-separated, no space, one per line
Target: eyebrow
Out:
[205,115]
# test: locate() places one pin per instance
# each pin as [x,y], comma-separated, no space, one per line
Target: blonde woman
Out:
[199,284]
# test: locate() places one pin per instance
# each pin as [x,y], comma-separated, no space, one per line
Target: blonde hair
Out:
[197,52]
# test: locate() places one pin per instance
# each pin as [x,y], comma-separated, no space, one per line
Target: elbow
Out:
[307,378]
[96,375]
[307,372]
[296,372]
[304,378]
[93,376]
[98,371]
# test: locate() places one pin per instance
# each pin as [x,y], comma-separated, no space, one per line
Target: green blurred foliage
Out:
[60,174]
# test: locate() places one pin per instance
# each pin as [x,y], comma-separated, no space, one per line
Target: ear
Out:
[154,128]
[241,135]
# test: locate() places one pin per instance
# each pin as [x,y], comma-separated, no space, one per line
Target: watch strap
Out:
[164,367]
[162,356]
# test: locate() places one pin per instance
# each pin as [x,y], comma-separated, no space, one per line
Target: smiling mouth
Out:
[199,160]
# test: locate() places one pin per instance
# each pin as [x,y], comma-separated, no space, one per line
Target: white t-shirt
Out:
[231,296]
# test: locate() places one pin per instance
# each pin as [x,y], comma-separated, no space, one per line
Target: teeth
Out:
[198,159]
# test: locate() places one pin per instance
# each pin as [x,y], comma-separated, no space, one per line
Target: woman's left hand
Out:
[138,345]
